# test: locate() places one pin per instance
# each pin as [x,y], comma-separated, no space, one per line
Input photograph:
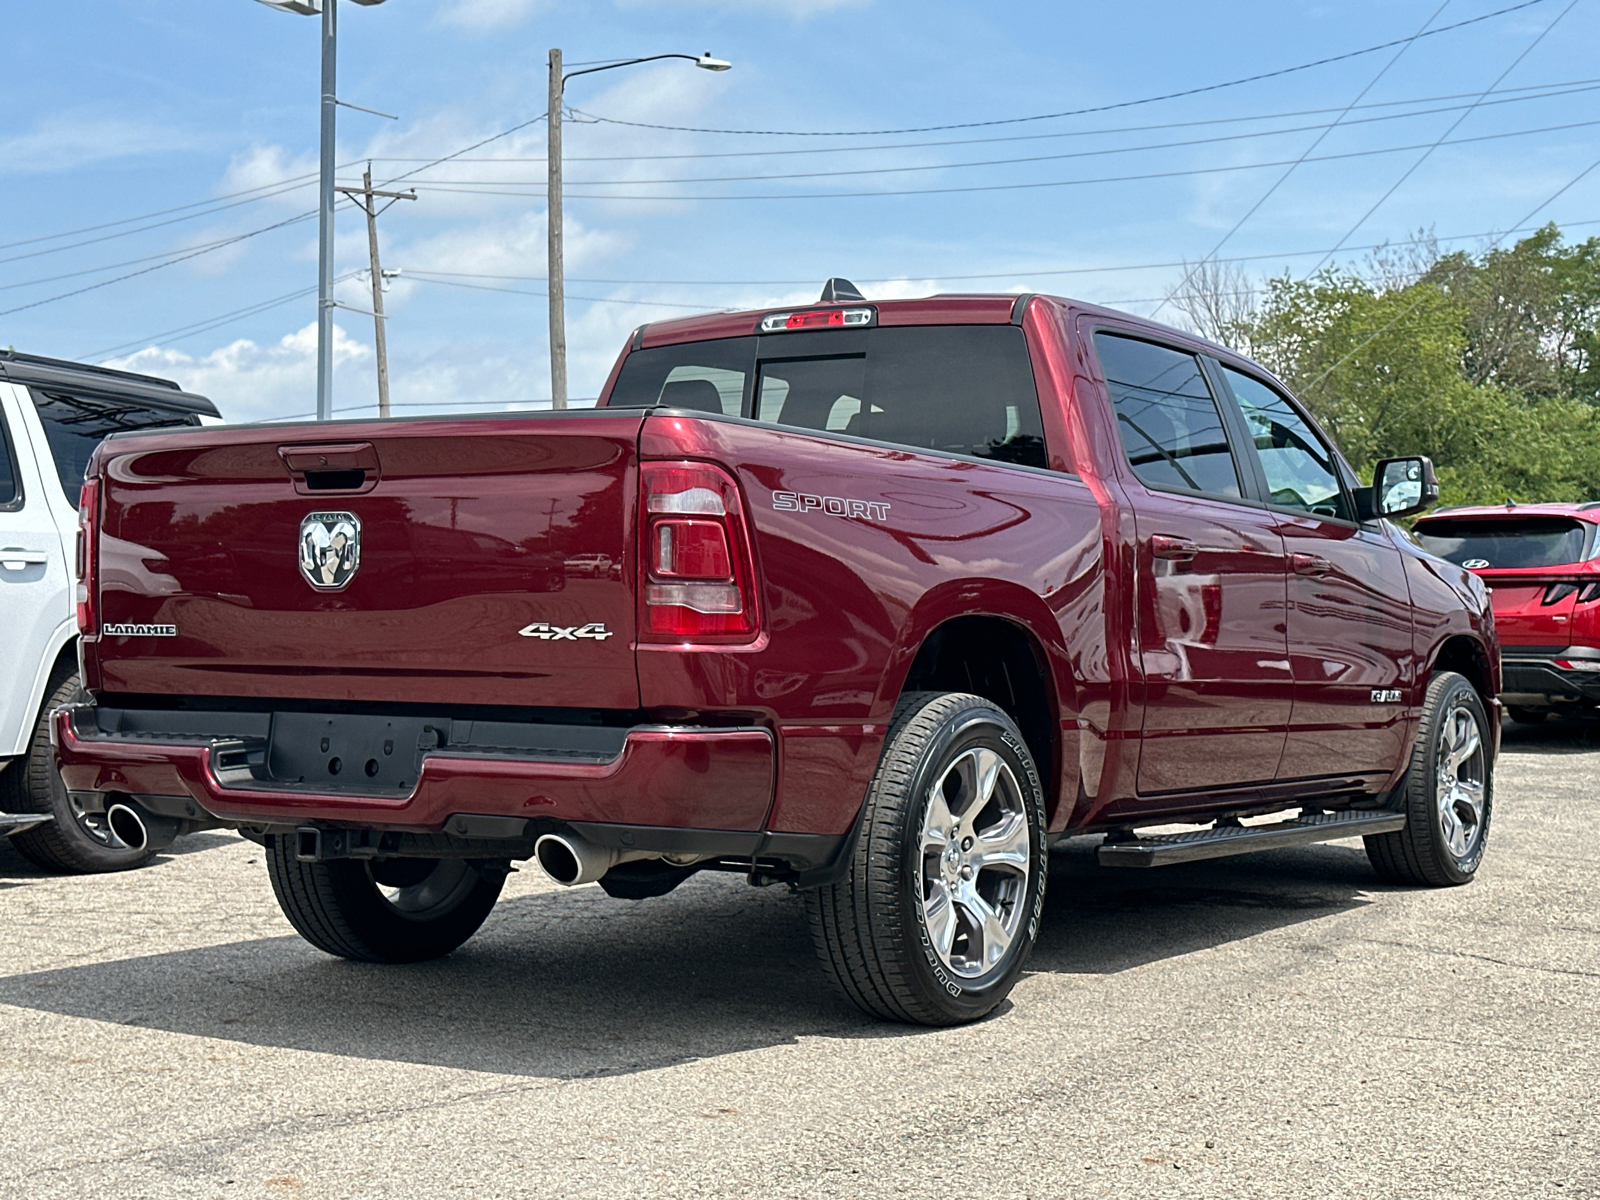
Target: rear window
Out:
[1507,542]
[962,389]
[74,424]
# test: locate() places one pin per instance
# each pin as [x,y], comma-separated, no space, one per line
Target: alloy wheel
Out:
[975,859]
[1460,791]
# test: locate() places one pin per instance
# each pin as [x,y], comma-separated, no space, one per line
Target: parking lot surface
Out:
[1273,1025]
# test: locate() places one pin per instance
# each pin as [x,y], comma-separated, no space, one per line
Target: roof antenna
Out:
[840,289]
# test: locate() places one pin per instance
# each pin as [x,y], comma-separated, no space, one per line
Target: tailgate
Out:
[463,562]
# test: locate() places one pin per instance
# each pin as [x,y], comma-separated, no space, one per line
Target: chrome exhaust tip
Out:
[571,860]
[138,829]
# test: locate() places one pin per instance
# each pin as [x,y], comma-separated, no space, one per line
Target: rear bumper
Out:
[1533,680]
[680,778]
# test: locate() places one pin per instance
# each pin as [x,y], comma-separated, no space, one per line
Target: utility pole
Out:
[368,198]
[556,271]
[555,268]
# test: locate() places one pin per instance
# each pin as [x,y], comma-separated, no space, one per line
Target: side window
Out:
[1301,471]
[75,424]
[1170,425]
[10,485]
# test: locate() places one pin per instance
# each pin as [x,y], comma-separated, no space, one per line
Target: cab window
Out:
[1169,422]
[1301,471]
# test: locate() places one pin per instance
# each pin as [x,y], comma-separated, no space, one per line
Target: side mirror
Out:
[1403,486]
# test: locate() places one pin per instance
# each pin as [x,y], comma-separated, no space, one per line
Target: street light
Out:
[329,12]
[555,270]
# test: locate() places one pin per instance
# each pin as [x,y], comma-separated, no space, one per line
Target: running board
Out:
[1221,841]
[16,822]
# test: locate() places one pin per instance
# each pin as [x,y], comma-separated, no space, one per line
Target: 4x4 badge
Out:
[595,631]
[330,549]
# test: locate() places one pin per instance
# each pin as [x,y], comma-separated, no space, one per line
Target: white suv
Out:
[52,416]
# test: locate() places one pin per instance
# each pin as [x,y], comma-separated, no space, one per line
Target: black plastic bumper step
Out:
[16,822]
[1161,849]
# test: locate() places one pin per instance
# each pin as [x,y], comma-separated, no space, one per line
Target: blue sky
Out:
[119,110]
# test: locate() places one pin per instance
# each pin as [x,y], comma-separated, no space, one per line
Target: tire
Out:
[929,936]
[1527,716]
[75,842]
[1447,793]
[396,911]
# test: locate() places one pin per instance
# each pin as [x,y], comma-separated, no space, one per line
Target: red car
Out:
[1542,565]
[877,601]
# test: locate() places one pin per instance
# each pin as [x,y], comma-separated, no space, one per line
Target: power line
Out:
[502,188]
[1424,293]
[591,299]
[1440,140]
[293,183]
[1545,91]
[950,166]
[1289,170]
[158,266]
[1003,274]
[167,337]
[1076,112]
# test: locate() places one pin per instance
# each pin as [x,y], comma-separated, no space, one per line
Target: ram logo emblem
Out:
[330,549]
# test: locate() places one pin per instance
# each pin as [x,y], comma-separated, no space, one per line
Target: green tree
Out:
[1489,364]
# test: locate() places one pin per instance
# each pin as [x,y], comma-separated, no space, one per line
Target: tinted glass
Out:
[9,488]
[707,376]
[814,393]
[75,424]
[1301,471]
[1171,429]
[965,389]
[1510,542]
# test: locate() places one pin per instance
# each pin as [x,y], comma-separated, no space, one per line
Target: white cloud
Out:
[251,382]
[63,141]
[261,166]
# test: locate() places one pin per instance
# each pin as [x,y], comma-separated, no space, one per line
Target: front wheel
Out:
[391,911]
[946,887]
[1447,793]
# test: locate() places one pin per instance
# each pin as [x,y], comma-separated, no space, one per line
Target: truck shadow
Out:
[576,984]
[15,869]
[1554,735]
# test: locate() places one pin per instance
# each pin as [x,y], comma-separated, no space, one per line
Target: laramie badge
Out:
[330,549]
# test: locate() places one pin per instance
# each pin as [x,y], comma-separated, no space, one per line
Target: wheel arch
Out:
[981,636]
[1466,656]
[62,648]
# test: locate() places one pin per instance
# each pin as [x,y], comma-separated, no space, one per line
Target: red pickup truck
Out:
[877,600]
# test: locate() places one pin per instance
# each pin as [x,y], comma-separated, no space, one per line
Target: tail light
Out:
[696,568]
[1576,664]
[1557,592]
[1590,592]
[87,558]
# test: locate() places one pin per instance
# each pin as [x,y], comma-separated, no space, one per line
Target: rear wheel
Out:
[397,910]
[946,887]
[1447,794]
[77,842]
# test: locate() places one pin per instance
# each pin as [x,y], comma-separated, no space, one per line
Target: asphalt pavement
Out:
[1272,1025]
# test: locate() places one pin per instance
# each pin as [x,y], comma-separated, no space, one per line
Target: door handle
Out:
[14,558]
[1309,564]
[1176,549]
